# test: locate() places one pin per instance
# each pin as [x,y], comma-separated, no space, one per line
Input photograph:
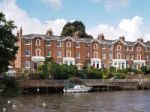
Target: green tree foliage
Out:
[77,26]
[145,70]
[94,73]
[9,86]
[7,43]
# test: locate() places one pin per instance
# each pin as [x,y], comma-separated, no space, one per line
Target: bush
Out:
[9,86]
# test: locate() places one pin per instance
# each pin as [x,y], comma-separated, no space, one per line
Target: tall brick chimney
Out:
[122,38]
[49,32]
[20,32]
[101,36]
[140,39]
[76,34]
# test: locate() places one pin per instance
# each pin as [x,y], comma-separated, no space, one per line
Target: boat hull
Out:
[76,90]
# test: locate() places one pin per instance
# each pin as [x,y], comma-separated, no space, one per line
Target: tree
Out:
[145,69]
[8,48]
[71,28]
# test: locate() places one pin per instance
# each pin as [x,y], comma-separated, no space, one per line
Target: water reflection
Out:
[124,101]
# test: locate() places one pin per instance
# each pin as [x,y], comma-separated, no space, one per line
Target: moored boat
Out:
[76,88]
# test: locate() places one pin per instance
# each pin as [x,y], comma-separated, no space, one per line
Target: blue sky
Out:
[111,17]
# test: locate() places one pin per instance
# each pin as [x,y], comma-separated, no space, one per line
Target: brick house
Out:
[99,53]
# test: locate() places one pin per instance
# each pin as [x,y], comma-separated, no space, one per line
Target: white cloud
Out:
[56,4]
[29,24]
[130,28]
[111,4]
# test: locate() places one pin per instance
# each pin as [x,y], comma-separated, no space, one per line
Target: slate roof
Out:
[87,40]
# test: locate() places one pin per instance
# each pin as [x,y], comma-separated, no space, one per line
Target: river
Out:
[116,101]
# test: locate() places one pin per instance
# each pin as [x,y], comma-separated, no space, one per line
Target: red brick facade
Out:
[98,52]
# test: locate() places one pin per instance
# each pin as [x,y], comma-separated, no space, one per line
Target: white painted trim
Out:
[38,58]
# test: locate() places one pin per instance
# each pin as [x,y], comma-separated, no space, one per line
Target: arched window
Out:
[68,53]
[118,47]
[38,42]
[138,56]
[95,46]
[68,44]
[38,52]
[138,48]
[118,55]
[95,55]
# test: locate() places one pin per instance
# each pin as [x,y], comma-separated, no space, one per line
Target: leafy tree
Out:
[77,26]
[145,69]
[7,43]
[94,73]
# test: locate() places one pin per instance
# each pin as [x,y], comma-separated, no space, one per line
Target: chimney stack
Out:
[101,36]
[122,38]
[20,32]
[140,39]
[49,33]
[76,34]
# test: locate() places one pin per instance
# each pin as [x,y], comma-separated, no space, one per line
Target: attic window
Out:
[27,41]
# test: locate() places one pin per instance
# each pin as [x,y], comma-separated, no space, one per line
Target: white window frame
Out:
[48,44]
[103,46]
[68,53]
[36,52]
[118,47]
[68,44]
[58,56]
[49,52]
[59,45]
[95,46]
[138,57]
[28,52]
[146,58]
[77,44]
[104,56]
[95,54]
[27,43]
[118,55]
[27,64]
[38,42]
[77,54]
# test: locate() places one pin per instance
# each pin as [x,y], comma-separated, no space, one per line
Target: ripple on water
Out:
[119,101]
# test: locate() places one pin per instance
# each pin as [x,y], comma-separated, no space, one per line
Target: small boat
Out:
[76,88]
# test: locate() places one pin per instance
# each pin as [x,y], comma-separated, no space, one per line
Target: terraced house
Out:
[99,52]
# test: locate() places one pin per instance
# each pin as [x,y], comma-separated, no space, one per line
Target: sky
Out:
[113,18]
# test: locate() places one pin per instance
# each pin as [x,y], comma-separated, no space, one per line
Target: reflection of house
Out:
[99,53]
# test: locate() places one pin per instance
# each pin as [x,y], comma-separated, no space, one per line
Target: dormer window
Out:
[103,46]
[58,44]
[38,42]
[27,41]
[77,44]
[48,43]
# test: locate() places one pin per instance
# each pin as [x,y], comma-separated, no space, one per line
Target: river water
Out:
[116,101]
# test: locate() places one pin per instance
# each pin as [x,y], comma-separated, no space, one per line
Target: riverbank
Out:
[54,86]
